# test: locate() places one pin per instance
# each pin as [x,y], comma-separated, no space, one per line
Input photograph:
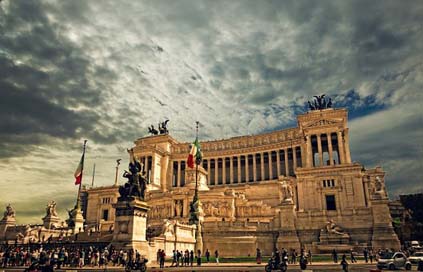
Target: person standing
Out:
[162,258]
[310,256]
[199,257]
[344,263]
[207,255]
[191,257]
[173,258]
[216,256]
[366,255]
[420,265]
[334,256]
[353,260]
[258,256]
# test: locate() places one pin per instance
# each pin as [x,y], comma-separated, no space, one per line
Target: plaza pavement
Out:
[237,267]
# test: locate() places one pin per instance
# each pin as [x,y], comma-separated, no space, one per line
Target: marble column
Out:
[254,168]
[285,151]
[178,179]
[239,169]
[278,163]
[309,160]
[269,154]
[319,149]
[341,147]
[224,171]
[231,169]
[146,169]
[330,148]
[216,171]
[208,170]
[294,157]
[247,177]
[347,146]
[262,165]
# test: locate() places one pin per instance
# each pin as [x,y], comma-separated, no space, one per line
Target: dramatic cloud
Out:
[104,71]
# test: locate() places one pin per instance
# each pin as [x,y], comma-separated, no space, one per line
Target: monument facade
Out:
[293,188]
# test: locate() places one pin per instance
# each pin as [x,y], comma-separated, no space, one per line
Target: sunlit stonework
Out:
[293,188]
[290,188]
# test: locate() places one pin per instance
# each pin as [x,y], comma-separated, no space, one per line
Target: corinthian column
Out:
[309,160]
[341,147]
[269,154]
[285,151]
[319,149]
[330,148]
[347,146]
[294,157]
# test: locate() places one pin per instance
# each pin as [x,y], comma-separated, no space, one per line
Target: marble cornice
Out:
[334,170]
[326,113]
[243,151]
[245,144]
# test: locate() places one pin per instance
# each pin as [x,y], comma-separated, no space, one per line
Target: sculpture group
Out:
[320,103]
[162,128]
[137,182]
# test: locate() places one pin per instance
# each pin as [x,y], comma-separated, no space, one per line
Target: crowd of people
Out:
[69,256]
[185,258]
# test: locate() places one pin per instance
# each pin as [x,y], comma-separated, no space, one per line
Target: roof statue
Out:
[320,103]
[162,128]
[9,213]
[51,209]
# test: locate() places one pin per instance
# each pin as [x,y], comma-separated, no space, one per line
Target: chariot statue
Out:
[320,103]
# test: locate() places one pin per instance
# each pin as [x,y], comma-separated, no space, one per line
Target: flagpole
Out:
[92,181]
[196,163]
[78,204]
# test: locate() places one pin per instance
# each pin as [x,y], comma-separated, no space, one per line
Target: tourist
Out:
[186,254]
[178,257]
[334,256]
[344,263]
[173,258]
[159,251]
[420,265]
[352,256]
[199,257]
[303,261]
[366,255]
[207,255]
[258,256]
[310,257]
[293,256]
[216,256]
[277,257]
[191,257]
[162,258]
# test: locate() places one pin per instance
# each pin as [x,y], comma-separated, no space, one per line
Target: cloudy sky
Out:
[106,70]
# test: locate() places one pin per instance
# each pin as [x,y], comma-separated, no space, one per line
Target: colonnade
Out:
[334,143]
[259,166]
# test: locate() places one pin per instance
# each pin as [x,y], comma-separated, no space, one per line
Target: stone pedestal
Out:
[5,223]
[201,179]
[131,225]
[383,232]
[288,237]
[51,222]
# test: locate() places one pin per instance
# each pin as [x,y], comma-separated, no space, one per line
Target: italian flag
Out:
[78,172]
[195,155]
